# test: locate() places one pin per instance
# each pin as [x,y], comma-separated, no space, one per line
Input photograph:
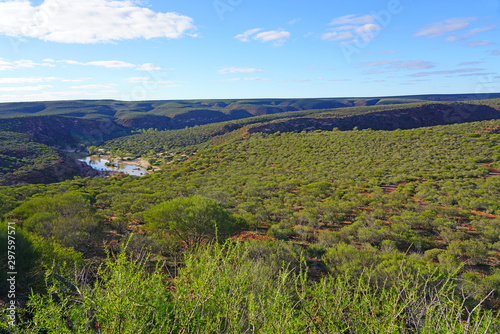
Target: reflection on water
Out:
[103,165]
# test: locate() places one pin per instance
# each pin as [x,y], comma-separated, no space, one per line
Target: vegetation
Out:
[19,152]
[223,289]
[192,219]
[359,231]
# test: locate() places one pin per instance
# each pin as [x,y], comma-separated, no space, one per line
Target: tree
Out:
[92,150]
[69,218]
[193,219]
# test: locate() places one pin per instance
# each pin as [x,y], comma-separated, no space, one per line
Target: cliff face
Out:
[409,118]
[56,130]
[60,170]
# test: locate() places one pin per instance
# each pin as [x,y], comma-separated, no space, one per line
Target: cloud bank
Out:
[90,21]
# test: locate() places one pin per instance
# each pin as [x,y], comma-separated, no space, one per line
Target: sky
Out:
[233,49]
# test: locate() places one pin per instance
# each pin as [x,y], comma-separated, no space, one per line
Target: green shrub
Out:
[316,250]
[193,219]
[432,255]
[328,238]
[220,289]
[279,232]
[69,219]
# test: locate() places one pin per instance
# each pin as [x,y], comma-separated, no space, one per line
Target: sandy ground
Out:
[136,162]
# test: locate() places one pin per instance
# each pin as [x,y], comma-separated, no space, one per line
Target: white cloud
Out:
[137,79]
[24,88]
[337,36]
[245,37]
[45,95]
[496,52]
[111,64]
[75,80]
[15,65]
[443,27]
[476,74]
[379,63]
[352,19]
[149,67]
[352,28]
[232,70]
[415,65]
[399,64]
[31,80]
[386,66]
[478,43]
[102,63]
[277,36]
[248,79]
[296,80]
[447,72]
[90,21]
[114,64]
[467,63]
[24,80]
[94,86]
[470,33]
[367,31]
[148,81]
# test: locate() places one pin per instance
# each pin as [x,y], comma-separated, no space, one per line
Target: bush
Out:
[316,250]
[432,255]
[222,290]
[193,219]
[328,238]
[34,255]
[69,219]
[280,232]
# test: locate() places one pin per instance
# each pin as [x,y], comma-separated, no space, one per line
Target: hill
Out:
[386,225]
[161,147]
[178,114]
[412,210]
[429,114]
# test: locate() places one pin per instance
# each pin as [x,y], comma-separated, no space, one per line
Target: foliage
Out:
[69,218]
[391,231]
[193,219]
[220,290]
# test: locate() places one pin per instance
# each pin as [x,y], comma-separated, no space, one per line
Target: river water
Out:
[100,164]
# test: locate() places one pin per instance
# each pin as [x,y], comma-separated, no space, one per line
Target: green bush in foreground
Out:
[193,219]
[223,289]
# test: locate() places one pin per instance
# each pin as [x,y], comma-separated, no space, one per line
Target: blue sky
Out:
[215,49]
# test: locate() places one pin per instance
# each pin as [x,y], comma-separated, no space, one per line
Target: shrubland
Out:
[358,231]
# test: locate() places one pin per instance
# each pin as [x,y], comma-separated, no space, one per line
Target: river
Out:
[100,164]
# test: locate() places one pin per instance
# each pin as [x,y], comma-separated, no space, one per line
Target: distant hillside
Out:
[177,114]
[118,127]
[406,118]
[28,147]
[63,131]
[382,117]
[23,160]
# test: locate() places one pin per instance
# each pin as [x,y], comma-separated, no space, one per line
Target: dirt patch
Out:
[389,188]
[493,171]
[250,235]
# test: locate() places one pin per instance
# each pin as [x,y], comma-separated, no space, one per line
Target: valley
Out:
[295,206]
